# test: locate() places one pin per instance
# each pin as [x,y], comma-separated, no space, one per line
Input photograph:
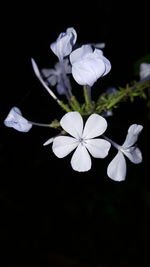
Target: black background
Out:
[50,214]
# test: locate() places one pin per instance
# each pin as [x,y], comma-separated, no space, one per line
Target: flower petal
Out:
[81,160]
[50,76]
[87,72]
[15,120]
[87,66]
[116,169]
[132,136]
[98,147]
[61,89]
[134,155]
[107,63]
[63,45]
[80,53]
[72,123]
[95,126]
[144,70]
[63,145]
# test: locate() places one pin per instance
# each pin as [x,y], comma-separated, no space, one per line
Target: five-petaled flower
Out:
[117,168]
[83,139]
[88,65]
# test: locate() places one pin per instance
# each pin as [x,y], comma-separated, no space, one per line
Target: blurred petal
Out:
[47,72]
[98,147]
[107,113]
[61,89]
[81,160]
[63,145]
[116,170]
[52,80]
[72,123]
[17,121]
[144,70]
[67,66]
[95,126]
[134,155]
[50,76]
[132,136]
[99,45]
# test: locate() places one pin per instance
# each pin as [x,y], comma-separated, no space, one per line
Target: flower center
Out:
[82,141]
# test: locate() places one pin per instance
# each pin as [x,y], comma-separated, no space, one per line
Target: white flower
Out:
[82,140]
[144,70]
[88,65]
[17,121]
[117,168]
[63,45]
[55,76]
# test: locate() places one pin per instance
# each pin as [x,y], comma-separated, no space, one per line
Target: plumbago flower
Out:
[62,47]
[88,65]
[55,77]
[83,140]
[117,168]
[15,120]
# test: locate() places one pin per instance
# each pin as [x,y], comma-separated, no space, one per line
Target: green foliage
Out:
[111,101]
[106,102]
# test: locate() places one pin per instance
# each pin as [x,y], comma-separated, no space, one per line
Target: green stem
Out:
[86,96]
[74,104]
[63,106]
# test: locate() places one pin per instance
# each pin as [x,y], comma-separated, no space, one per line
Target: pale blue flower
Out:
[62,47]
[56,77]
[88,65]
[117,168]
[15,120]
[83,140]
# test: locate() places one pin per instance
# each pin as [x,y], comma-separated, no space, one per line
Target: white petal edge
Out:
[72,123]
[116,169]
[95,126]
[98,148]
[63,145]
[81,160]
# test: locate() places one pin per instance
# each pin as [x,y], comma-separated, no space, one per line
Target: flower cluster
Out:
[83,124]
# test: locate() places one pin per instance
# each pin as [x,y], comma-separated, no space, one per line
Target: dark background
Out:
[50,214]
